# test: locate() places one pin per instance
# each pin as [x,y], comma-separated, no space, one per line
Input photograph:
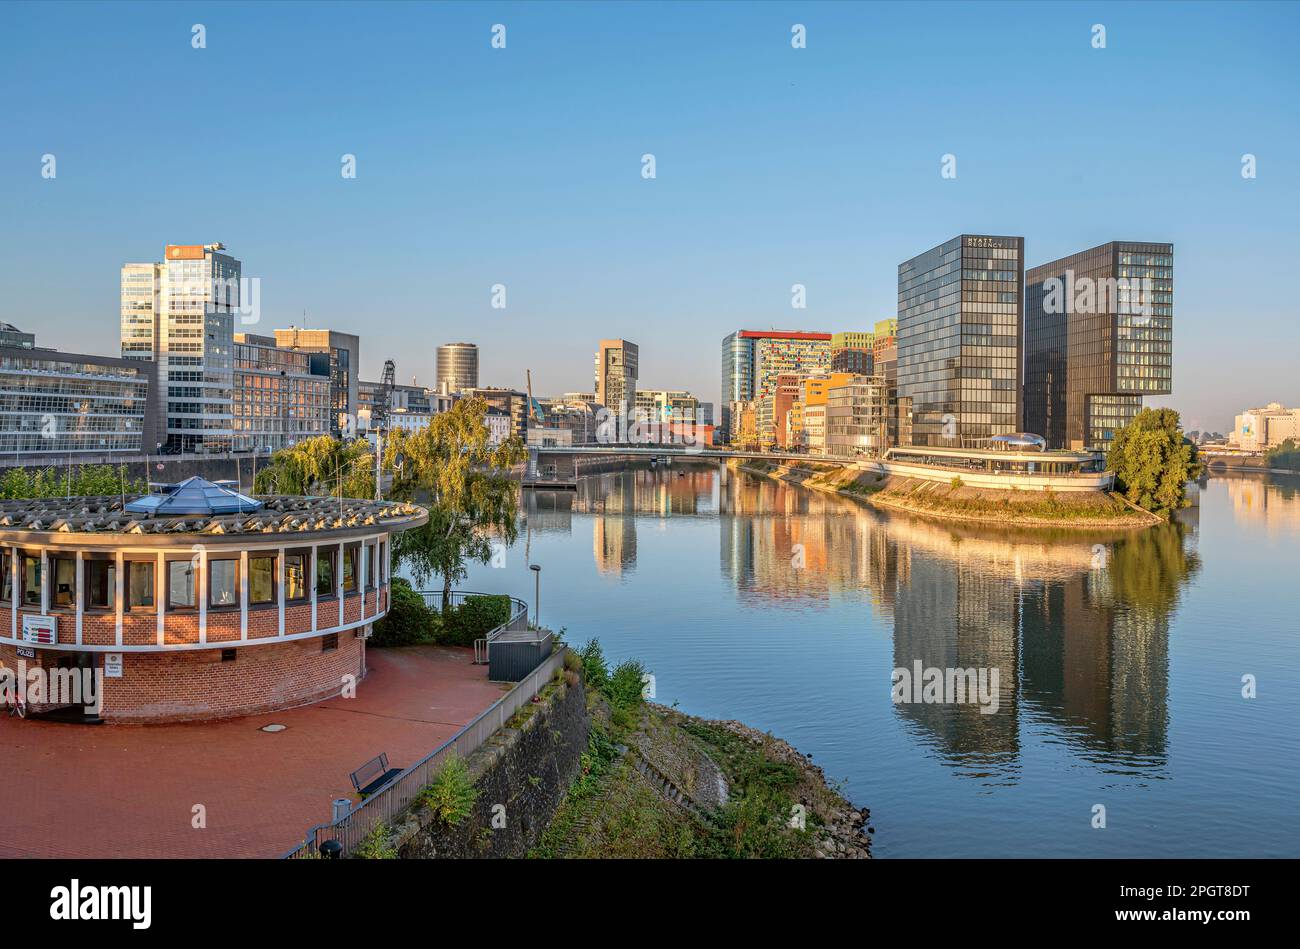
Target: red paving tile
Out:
[128,790]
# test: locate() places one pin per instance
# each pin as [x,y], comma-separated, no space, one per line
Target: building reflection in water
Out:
[1077,625]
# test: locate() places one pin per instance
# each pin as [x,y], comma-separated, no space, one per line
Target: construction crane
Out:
[379,416]
[531,416]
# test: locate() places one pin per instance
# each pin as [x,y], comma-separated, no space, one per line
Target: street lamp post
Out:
[537,594]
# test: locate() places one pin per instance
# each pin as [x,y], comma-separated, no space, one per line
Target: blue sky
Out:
[522,166]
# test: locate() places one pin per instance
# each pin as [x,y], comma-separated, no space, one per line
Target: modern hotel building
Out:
[960,310]
[1098,337]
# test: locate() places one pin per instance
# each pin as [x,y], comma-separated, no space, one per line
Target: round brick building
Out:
[195,603]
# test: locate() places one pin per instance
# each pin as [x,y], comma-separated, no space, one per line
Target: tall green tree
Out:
[451,466]
[323,466]
[1153,461]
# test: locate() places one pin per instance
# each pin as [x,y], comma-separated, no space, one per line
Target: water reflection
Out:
[1077,625]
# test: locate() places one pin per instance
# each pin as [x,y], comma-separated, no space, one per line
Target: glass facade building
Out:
[54,403]
[617,368]
[960,309]
[344,352]
[457,367]
[1098,337]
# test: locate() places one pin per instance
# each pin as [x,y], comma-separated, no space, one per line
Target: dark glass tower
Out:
[960,309]
[1098,337]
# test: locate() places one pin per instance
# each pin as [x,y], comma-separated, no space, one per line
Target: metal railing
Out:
[518,620]
[385,804]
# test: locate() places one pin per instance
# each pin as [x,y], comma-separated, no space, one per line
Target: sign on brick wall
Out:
[41,629]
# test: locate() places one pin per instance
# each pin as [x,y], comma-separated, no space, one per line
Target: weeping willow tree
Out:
[452,467]
[321,466]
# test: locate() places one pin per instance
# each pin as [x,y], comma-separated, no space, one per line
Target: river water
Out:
[1120,656]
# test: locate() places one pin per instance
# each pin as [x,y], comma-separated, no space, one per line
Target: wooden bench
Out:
[373,775]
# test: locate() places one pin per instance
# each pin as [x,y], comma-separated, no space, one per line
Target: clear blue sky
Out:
[522,166]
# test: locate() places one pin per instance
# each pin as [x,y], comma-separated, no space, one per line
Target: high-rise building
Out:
[617,367]
[180,314]
[772,409]
[960,309]
[343,351]
[1098,337]
[751,360]
[457,367]
[57,404]
[856,362]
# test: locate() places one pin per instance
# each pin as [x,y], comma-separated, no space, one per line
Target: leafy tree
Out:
[323,465]
[451,466]
[1153,462]
[1285,455]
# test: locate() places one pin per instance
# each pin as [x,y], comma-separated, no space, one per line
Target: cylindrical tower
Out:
[458,366]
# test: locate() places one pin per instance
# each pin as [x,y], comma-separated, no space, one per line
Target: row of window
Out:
[181,587]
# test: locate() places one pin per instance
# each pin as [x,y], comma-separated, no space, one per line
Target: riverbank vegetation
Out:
[1045,508]
[1285,455]
[656,783]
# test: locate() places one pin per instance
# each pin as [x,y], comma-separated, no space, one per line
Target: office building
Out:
[617,366]
[751,360]
[457,367]
[856,417]
[280,396]
[960,309]
[181,313]
[772,409]
[1098,337]
[669,405]
[11,337]
[510,401]
[856,362]
[1264,428]
[343,352]
[59,404]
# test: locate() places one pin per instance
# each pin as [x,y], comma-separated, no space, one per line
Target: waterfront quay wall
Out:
[521,774]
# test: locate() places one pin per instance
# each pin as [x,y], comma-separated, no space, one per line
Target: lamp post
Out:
[537,594]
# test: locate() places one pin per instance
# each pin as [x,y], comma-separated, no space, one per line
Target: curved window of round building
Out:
[261,580]
[223,583]
[181,583]
[140,585]
[32,580]
[101,584]
[295,576]
[325,573]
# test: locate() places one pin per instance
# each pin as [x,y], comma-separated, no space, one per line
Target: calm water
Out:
[1121,656]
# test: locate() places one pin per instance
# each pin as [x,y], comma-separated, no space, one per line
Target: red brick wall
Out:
[196,684]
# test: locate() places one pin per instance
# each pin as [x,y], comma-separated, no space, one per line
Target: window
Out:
[181,583]
[371,562]
[223,583]
[32,580]
[63,590]
[140,585]
[261,579]
[101,585]
[325,572]
[295,576]
[7,580]
[350,554]
[381,563]
[329,643]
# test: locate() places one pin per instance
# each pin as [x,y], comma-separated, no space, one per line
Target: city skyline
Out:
[528,176]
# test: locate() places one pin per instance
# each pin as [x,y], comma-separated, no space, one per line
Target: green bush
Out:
[594,665]
[451,795]
[408,621]
[376,845]
[626,685]
[474,619]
